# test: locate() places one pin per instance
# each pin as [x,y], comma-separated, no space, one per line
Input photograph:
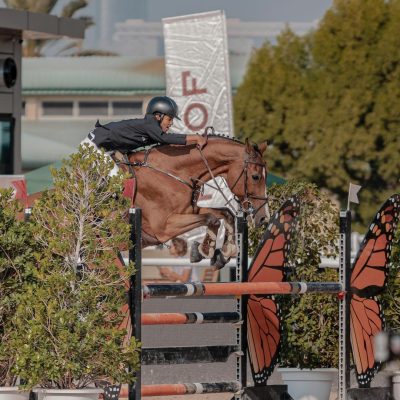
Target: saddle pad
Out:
[130,189]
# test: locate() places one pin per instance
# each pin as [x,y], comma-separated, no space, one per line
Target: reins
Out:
[213,178]
[145,164]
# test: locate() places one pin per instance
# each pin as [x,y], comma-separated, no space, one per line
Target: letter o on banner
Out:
[201,109]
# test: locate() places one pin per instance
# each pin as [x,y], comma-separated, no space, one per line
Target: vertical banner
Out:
[197,71]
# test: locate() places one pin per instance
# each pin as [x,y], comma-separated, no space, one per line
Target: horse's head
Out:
[247,180]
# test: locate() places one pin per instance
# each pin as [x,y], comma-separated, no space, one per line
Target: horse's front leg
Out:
[228,249]
[179,223]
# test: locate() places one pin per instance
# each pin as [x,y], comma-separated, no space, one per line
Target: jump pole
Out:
[186,388]
[190,318]
[242,261]
[135,298]
[238,288]
[344,304]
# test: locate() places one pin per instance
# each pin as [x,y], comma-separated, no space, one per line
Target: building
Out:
[15,26]
[63,97]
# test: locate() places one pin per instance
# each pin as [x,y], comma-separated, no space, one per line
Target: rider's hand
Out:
[201,141]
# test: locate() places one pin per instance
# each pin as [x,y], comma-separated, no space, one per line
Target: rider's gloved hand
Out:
[199,140]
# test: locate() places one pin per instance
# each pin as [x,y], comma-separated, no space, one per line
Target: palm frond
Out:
[41,6]
[72,7]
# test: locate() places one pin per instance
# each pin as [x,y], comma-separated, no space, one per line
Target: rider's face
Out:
[166,122]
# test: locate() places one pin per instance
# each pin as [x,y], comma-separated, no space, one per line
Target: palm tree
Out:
[34,47]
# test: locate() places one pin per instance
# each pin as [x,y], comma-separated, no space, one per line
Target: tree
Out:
[67,323]
[34,47]
[328,102]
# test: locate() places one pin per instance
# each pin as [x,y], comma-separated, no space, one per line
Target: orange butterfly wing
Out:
[368,278]
[263,317]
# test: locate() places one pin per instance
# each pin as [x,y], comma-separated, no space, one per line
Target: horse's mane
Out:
[223,136]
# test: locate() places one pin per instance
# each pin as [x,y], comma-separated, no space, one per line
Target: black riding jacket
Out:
[130,134]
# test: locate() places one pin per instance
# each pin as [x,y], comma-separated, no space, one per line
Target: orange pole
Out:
[164,319]
[190,318]
[164,390]
[237,289]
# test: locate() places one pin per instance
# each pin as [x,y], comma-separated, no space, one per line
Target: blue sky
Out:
[155,10]
[248,10]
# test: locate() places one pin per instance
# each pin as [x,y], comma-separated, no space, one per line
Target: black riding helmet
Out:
[163,105]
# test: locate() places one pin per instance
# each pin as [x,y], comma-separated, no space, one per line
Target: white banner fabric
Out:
[197,71]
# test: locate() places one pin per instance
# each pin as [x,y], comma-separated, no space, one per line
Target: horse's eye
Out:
[256,177]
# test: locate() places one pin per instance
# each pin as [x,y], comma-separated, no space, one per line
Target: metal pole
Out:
[241,302]
[344,310]
[135,291]
[27,213]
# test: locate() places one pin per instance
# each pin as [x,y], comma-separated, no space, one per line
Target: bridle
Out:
[245,204]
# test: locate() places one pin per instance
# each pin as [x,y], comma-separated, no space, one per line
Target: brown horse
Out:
[170,178]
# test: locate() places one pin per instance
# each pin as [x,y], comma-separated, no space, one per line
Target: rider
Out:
[130,134]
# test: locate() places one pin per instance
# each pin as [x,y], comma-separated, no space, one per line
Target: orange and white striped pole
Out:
[185,388]
[238,288]
[190,318]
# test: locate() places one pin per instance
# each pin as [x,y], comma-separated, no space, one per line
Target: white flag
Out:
[353,190]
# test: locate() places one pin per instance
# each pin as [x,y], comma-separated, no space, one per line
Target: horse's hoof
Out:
[218,261]
[195,255]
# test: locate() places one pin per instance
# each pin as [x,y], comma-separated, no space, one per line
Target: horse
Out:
[170,178]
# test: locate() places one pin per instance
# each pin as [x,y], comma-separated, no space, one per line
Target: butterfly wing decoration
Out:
[263,318]
[368,278]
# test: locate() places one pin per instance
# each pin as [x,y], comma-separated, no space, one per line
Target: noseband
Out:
[249,196]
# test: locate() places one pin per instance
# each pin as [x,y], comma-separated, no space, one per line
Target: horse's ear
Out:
[262,147]
[248,146]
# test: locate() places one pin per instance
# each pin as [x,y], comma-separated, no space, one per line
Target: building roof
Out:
[41,26]
[103,75]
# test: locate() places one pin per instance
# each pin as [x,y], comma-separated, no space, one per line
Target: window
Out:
[93,108]
[127,107]
[6,144]
[57,108]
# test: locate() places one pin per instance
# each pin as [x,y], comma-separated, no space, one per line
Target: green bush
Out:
[67,321]
[16,260]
